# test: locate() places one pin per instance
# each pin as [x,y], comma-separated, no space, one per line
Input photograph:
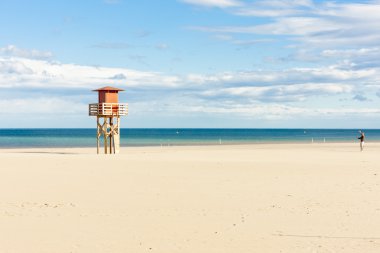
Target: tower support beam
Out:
[110,132]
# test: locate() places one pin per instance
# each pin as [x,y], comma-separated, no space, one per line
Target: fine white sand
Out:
[254,198]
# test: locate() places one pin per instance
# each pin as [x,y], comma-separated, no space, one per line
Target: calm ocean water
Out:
[15,138]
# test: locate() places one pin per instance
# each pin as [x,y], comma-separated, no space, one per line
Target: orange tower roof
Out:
[108,88]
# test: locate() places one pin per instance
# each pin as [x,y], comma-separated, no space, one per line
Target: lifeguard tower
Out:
[108,108]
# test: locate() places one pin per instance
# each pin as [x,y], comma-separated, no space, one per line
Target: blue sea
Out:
[29,138]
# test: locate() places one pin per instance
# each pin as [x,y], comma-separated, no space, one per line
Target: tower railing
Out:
[108,109]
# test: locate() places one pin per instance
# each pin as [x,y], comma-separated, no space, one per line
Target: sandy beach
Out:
[243,198]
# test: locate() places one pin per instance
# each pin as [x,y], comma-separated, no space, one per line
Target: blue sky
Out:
[192,63]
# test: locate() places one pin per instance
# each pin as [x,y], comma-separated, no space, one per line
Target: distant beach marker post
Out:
[108,108]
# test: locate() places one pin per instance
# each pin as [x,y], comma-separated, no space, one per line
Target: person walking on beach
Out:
[361,138]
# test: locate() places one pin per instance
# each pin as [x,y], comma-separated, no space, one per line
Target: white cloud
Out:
[298,26]
[266,13]
[286,3]
[13,51]
[21,72]
[31,73]
[284,93]
[349,53]
[42,106]
[263,93]
[329,74]
[9,67]
[282,26]
[281,111]
[319,25]
[276,8]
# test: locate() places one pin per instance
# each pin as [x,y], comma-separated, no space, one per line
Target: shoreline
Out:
[237,145]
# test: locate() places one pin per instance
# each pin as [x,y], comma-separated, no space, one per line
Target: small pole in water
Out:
[220,141]
[312,140]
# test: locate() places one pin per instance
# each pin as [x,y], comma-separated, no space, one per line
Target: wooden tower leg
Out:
[105,135]
[118,135]
[110,130]
[97,134]
[110,134]
[114,136]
